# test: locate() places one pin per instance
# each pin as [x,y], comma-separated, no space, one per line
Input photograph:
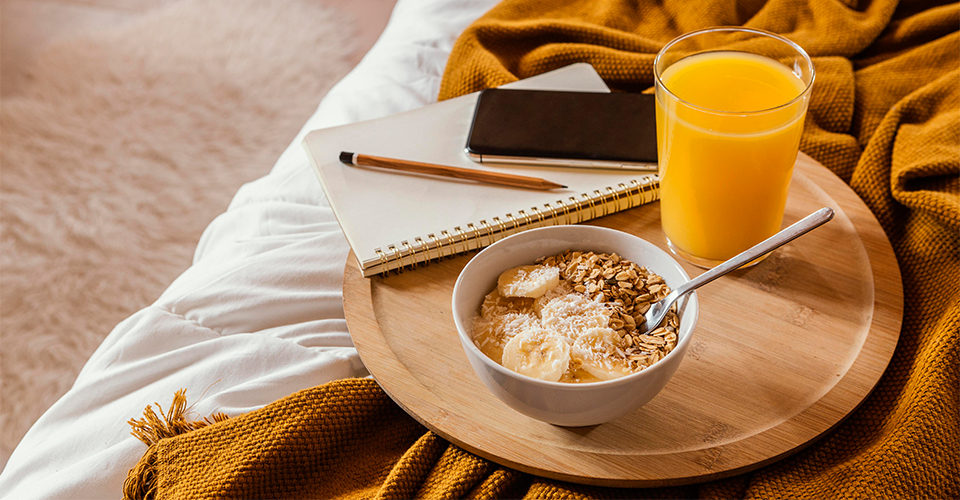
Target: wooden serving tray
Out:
[781,354]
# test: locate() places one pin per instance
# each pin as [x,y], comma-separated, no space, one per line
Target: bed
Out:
[258,315]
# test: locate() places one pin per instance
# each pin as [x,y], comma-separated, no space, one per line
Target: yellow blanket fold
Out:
[884,116]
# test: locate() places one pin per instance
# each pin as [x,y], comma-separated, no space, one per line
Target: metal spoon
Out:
[657,311]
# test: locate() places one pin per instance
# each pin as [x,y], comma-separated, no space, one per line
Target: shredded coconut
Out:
[572,314]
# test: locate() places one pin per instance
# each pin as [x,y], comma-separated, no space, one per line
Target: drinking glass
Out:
[730,109]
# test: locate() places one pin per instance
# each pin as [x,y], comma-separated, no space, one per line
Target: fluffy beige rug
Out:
[121,150]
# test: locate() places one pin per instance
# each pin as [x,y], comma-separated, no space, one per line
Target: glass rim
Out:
[791,43]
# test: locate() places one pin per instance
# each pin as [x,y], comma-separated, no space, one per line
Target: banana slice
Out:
[496,305]
[528,281]
[491,333]
[537,353]
[561,290]
[572,314]
[596,349]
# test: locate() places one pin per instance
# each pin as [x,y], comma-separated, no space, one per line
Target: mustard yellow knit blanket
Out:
[884,116]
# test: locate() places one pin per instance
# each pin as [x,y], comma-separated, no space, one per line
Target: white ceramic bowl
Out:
[555,402]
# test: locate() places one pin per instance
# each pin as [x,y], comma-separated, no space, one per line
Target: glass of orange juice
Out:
[730,110]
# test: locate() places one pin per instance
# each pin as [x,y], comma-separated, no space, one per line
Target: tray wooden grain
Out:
[782,353]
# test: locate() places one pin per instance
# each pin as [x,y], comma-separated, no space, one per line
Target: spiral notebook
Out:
[396,221]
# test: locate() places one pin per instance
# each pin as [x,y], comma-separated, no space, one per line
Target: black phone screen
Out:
[569,125]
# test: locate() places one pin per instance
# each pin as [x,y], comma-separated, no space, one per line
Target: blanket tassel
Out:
[141,480]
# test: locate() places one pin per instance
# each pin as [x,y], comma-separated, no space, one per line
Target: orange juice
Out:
[728,128]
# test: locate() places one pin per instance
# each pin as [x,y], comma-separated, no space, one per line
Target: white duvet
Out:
[259,314]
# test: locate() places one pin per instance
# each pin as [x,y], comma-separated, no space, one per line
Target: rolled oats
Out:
[628,290]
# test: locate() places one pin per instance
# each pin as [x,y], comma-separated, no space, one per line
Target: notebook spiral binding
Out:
[407,255]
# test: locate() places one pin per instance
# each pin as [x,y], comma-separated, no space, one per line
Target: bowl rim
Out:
[468,344]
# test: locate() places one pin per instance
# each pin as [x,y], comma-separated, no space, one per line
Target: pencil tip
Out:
[564,187]
[346,157]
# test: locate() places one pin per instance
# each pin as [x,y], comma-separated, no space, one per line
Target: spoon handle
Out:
[766,246]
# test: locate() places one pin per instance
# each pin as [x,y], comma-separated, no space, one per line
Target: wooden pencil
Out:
[520,181]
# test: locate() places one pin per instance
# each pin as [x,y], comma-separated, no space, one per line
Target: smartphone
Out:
[571,129]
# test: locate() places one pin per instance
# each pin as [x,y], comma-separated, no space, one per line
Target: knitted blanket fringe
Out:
[141,480]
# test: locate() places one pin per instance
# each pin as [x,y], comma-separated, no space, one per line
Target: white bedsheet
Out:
[259,315]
